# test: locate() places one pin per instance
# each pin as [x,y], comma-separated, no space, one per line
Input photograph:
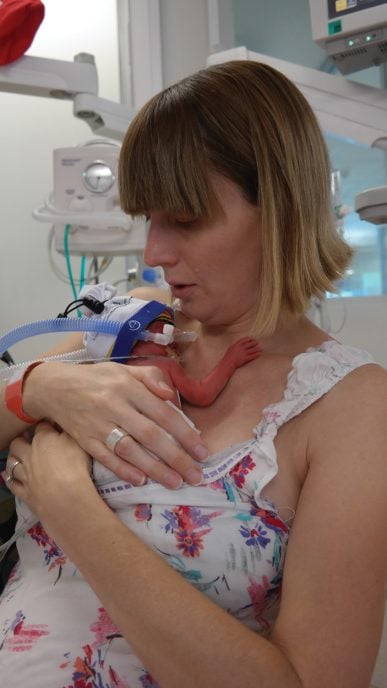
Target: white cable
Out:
[321,310]
[78,356]
[105,262]
[344,318]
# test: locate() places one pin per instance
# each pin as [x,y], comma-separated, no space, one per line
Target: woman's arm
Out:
[10,425]
[329,625]
[331,616]
[90,401]
[181,637]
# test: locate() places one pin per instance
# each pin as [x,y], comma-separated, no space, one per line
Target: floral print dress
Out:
[223,537]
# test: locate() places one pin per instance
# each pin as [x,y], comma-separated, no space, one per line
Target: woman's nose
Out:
[159,247]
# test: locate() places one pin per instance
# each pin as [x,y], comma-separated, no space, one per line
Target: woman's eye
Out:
[185,221]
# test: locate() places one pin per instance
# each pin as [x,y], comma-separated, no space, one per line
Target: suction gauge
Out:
[98,177]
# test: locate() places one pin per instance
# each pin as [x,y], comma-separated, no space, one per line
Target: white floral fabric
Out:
[223,537]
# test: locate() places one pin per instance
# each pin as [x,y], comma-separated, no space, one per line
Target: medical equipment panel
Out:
[85,178]
[85,204]
[352,32]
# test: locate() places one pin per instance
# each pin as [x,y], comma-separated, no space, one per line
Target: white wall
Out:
[184,38]
[31,128]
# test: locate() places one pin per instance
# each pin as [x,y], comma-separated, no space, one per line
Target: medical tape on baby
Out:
[131,330]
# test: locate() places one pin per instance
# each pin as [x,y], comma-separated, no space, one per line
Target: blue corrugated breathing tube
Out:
[58,325]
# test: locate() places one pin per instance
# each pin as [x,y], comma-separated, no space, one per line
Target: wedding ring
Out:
[11,469]
[114,437]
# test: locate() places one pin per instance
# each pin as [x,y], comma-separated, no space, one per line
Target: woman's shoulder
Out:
[365,385]
[343,359]
[318,369]
[358,400]
[336,375]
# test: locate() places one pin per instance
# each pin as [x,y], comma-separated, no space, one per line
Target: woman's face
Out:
[212,266]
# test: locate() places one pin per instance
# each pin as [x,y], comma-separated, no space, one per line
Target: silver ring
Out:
[11,469]
[114,437]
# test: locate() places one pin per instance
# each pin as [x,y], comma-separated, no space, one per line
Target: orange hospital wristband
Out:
[14,393]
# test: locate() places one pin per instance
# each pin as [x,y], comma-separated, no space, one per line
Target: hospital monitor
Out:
[352,32]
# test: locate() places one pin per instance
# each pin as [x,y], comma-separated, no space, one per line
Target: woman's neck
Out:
[292,335]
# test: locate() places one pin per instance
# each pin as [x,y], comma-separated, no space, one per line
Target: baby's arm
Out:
[204,392]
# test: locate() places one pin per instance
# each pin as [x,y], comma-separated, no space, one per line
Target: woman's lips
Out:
[181,291]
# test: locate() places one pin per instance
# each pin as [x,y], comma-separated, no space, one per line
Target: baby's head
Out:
[148,327]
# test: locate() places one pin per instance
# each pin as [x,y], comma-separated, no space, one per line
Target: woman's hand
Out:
[48,468]
[89,401]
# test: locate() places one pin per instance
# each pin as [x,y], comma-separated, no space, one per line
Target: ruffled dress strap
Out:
[313,374]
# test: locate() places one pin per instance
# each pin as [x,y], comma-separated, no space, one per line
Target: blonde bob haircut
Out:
[248,122]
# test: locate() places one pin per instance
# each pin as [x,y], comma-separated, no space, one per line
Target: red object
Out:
[19,22]
[197,392]
[14,393]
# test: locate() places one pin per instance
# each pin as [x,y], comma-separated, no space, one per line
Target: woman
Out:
[204,586]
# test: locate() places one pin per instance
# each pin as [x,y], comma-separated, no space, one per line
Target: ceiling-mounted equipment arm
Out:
[104,117]
[77,81]
[41,76]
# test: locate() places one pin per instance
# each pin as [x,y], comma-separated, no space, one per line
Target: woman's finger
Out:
[14,470]
[173,462]
[121,468]
[149,449]
[155,426]
[167,417]
[20,447]
[45,427]
[153,378]
[139,465]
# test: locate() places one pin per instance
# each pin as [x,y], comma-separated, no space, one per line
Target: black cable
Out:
[93,304]
[7,358]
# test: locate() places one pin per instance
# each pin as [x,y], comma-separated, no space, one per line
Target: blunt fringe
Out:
[249,123]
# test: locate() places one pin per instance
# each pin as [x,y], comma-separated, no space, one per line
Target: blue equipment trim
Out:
[131,330]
